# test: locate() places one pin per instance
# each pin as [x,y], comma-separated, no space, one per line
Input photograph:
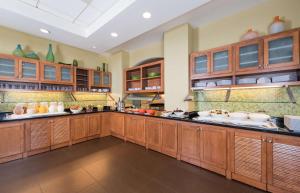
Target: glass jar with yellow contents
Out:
[43,107]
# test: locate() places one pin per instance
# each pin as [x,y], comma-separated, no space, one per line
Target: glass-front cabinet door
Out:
[106,79]
[249,56]
[282,50]
[8,67]
[49,72]
[221,60]
[97,78]
[200,64]
[28,69]
[66,74]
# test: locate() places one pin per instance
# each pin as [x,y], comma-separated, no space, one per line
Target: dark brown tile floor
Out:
[109,165]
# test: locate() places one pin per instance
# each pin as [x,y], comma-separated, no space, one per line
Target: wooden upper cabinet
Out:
[200,64]
[40,134]
[60,133]
[117,126]
[11,140]
[94,122]
[79,128]
[29,70]
[282,50]
[169,138]
[189,142]
[66,74]
[249,158]
[222,60]
[8,67]
[283,164]
[153,134]
[106,79]
[249,56]
[96,78]
[49,72]
[213,154]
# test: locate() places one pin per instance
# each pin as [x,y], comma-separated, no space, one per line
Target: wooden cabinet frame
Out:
[248,70]
[42,68]
[283,66]
[229,71]
[15,59]
[34,62]
[193,56]
[71,82]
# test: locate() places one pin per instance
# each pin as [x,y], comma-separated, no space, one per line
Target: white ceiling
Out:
[88,23]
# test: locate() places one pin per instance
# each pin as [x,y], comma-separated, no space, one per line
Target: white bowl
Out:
[166,113]
[204,113]
[179,114]
[238,116]
[76,111]
[260,117]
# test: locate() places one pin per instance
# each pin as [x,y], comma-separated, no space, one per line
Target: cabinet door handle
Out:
[270,141]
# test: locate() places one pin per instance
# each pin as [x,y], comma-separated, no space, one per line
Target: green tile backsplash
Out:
[274,101]
[10,99]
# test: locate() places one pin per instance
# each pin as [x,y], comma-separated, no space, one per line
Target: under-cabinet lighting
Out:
[239,88]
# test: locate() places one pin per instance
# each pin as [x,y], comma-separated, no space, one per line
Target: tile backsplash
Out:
[272,101]
[10,99]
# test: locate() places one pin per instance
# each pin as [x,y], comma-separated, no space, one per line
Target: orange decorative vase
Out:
[250,34]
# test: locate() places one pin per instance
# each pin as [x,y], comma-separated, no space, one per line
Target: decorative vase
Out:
[50,55]
[277,26]
[32,55]
[18,51]
[75,63]
[104,68]
[250,34]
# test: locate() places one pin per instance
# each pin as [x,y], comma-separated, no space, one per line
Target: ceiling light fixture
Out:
[94,47]
[45,31]
[146,15]
[114,34]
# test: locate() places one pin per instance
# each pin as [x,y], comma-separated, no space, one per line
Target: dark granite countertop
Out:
[279,130]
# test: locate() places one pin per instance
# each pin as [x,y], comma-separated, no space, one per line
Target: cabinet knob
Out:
[264,140]
[270,141]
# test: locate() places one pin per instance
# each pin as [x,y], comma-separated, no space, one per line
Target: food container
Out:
[150,112]
[204,113]
[238,116]
[179,113]
[75,109]
[60,107]
[292,122]
[259,117]
[53,107]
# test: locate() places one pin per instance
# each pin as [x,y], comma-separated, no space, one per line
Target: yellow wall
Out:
[149,51]
[230,29]
[63,53]
[177,46]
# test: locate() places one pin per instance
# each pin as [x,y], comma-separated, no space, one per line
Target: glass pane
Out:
[7,67]
[50,73]
[28,70]
[96,78]
[106,80]
[201,64]
[66,74]
[220,61]
[281,50]
[249,56]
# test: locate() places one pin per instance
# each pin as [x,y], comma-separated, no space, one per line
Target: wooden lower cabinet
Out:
[11,141]
[213,144]
[169,138]
[94,128]
[135,129]
[105,124]
[283,164]
[60,132]
[117,125]
[248,161]
[153,134]
[38,136]
[79,128]
[189,143]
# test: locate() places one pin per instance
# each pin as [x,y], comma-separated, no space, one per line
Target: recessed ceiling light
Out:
[94,47]
[147,15]
[114,34]
[45,31]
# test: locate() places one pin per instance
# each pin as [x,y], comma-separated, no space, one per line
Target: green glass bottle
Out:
[18,51]
[50,55]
